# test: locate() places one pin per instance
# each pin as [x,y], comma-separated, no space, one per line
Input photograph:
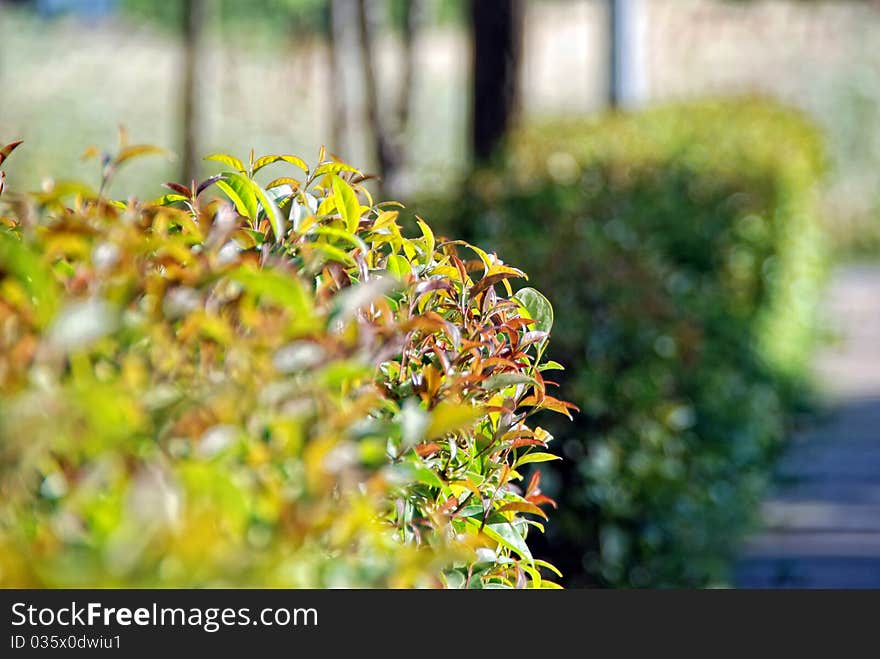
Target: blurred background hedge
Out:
[683,249]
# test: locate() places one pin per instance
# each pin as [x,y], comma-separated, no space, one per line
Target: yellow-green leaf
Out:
[506,535]
[270,208]
[428,237]
[237,187]
[398,266]
[548,566]
[333,168]
[536,457]
[268,160]
[167,199]
[32,274]
[329,252]
[137,150]
[283,180]
[285,290]
[226,159]
[347,203]
[353,239]
[450,417]
[385,219]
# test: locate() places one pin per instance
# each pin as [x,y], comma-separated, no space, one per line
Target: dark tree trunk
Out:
[334,94]
[496,27]
[193,21]
[386,159]
[410,23]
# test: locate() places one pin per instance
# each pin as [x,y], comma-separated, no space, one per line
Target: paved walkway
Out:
[822,524]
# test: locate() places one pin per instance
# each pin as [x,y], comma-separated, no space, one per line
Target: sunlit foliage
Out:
[264,384]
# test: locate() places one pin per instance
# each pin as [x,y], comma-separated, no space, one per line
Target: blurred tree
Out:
[496,30]
[386,155]
[193,19]
[407,17]
[389,122]
[334,96]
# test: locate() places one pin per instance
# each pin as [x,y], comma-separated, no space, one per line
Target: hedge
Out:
[255,382]
[682,250]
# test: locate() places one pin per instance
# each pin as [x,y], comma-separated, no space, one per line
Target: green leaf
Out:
[551,366]
[417,472]
[258,236]
[548,566]
[333,168]
[270,208]
[284,180]
[268,160]
[353,239]
[454,579]
[538,308]
[32,274]
[398,266]
[536,457]
[428,237]
[504,380]
[226,159]
[484,257]
[339,375]
[239,190]
[506,535]
[330,252]
[427,477]
[450,417]
[347,203]
[248,197]
[287,291]
[166,200]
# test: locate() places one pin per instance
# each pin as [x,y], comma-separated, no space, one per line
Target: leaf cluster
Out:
[264,383]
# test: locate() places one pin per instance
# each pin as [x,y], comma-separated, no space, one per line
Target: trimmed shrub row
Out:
[262,384]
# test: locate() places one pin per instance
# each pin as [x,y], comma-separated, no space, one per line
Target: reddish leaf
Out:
[207,183]
[539,499]
[532,337]
[424,450]
[178,188]
[517,443]
[534,484]
[6,150]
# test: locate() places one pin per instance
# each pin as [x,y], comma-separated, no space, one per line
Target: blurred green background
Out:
[74,70]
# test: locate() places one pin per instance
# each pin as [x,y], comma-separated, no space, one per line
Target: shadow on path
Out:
[822,524]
